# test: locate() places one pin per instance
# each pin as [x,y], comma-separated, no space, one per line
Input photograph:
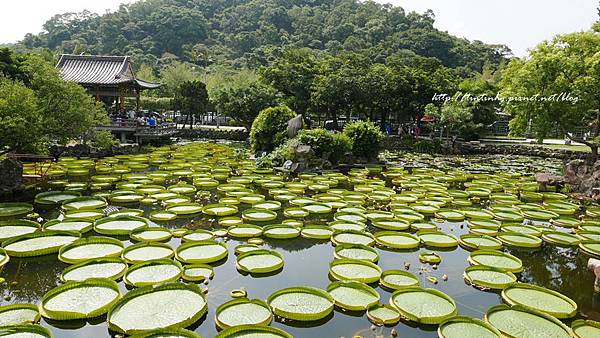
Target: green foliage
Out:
[103,139]
[244,100]
[249,33]
[174,75]
[192,99]
[325,144]
[45,109]
[20,118]
[365,137]
[159,104]
[269,129]
[567,65]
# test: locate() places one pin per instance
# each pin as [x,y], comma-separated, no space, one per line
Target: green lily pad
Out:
[243,311]
[467,327]
[16,314]
[489,277]
[39,243]
[88,248]
[496,259]
[301,303]
[354,270]
[427,306]
[353,296]
[398,279]
[153,272]
[397,240]
[146,251]
[111,268]
[479,242]
[260,261]
[585,328]
[356,251]
[540,299]
[201,252]
[519,322]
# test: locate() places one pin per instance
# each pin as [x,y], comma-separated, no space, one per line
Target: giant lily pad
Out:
[16,228]
[253,331]
[281,231]
[122,225]
[397,240]
[398,279]
[437,239]
[201,252]
[39,243]
[153,272]
[14,210]
[26,330]
[80,225]
[519,240]
[354,270]
[427,306]
[585,328]
[260,261]
[79,300]
[16,314]
[467,327]
[496,259]
[479,242]
[301,303]
[519,322]
[90,248]
[540,299]
[85,203]
[354,296]
[356,251]
[111,268]
[488,277]
[52,198]
[166,306]
[243,311]
[146,251]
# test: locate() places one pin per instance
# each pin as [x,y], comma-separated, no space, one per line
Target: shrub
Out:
[365,137]
[103,139]
[325,144]
[269,129]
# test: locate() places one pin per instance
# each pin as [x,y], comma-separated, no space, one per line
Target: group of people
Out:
[140,118]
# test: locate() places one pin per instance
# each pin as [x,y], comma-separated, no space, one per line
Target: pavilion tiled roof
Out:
[100,70]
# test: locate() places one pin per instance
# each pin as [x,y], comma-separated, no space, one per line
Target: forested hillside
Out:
[251,33]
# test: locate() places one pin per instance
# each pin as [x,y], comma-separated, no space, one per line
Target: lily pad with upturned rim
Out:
[111,268]
[80,300]
[16,228]
[39,243]
[353,296]
[301,303]
[540,299]
[153,272]
[316,232]
[479,242]
[496,259]
[520,240]
[14,209]
[170,333]
[585,328]
[201,252]
[397,240]
[15,314]
[243,311]
[197,272]
[427,306]
[384,314]
[253,330]
[31,331]
[281,231]
[258,215]
[146,251]
[467,327]
[489,277]
[179,305]
[260,261]
[156,234]
[120,226]
[354,270]
[93,247]
[356,251]
[437,239]
[517,321]
[398,279]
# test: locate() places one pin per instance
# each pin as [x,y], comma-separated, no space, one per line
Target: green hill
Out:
[249,33]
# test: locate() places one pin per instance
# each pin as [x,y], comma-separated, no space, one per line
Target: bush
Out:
[365,137]
[103,139]
[326,145]
[269,129]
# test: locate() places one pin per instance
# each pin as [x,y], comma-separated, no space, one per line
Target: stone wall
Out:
[473,148]
[11,176]
[214,134]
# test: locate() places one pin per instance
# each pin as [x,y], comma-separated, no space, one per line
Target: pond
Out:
[414,194]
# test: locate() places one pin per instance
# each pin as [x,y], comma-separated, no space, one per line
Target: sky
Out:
[519,24]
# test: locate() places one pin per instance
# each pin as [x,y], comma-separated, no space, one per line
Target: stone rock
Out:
[11,175]
[584,177]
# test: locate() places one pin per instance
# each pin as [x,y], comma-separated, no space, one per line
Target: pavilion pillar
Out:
[137,100]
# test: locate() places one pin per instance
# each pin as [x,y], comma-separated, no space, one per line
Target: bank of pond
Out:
[195,240]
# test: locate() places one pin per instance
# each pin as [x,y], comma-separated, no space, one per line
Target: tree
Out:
[556,89]
[192,98]
[51,110]
[20,118]
[174,75]
[450,117]
[293,75]
[269,129]
[243,101]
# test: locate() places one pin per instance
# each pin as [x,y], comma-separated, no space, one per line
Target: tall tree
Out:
[557,89]
[243,101]
[192,98]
